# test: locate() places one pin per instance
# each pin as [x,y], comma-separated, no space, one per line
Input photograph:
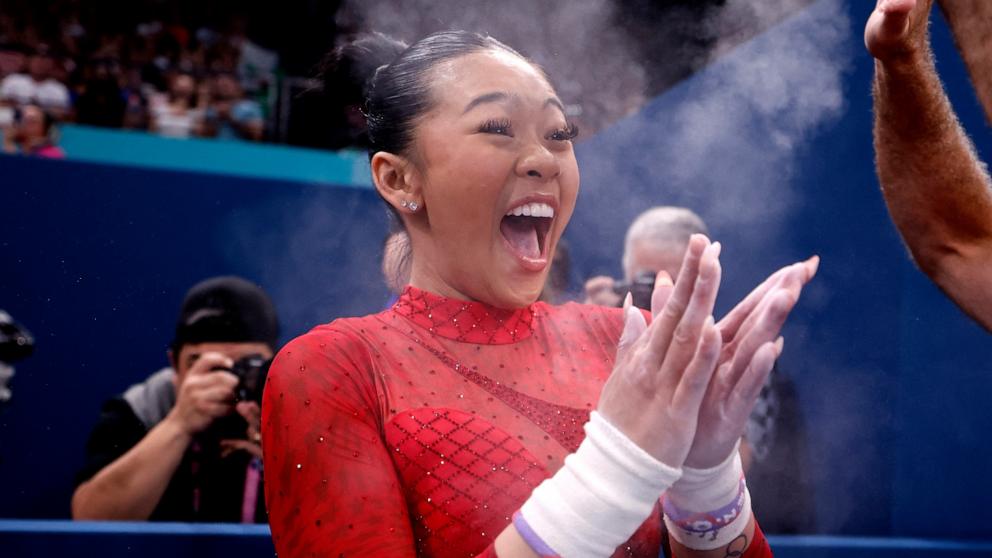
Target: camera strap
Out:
[253,478]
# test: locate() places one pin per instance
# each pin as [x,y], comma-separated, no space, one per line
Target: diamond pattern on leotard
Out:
[463,477]
[465,321]
[562,423]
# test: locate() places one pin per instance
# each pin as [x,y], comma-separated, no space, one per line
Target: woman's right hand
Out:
[662,370]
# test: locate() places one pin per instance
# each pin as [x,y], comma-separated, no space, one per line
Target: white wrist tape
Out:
[709,508]
[602,494]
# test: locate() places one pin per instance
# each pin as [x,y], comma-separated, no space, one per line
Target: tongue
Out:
[521,232]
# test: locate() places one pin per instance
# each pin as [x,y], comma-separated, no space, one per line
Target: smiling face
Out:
[494,171]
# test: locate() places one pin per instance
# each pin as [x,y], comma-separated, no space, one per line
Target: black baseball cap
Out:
[226,310]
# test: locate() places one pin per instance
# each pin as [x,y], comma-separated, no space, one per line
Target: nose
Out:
[539,163]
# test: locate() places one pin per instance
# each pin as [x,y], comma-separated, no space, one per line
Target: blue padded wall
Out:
[893,379]
[96,260]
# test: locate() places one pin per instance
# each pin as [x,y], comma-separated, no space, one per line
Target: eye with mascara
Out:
[497,126]
[568,133]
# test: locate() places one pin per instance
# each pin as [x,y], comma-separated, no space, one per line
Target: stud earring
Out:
[414,206]
[405,204]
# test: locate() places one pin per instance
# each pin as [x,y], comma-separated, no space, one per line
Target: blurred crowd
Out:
[145,66]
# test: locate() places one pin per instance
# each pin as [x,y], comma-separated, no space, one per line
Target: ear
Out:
[173,357]
[398,182]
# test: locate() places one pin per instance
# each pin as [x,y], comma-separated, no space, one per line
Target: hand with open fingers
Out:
[662,370]
[897,29]
[751,344]
[205,394]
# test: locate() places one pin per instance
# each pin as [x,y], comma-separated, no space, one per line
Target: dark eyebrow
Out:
[500,97]
[552,101]
[494,97]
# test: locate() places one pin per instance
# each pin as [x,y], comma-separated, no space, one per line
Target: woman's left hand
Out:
[751,344]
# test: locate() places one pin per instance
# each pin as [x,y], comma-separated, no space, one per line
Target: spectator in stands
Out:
[37,86]
[101,101]
[773,449]
[230,114]
[31,133]
[135,100]
[176,447]
[180,113]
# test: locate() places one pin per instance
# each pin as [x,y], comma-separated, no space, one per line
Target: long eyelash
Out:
[568,133]
[496,126]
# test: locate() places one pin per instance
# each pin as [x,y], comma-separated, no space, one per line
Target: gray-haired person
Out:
[773,448]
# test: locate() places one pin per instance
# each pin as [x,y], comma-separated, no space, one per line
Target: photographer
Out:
[184,444]
[655,241]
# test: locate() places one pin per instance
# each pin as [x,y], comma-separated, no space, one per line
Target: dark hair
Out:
[346,70]
[226,309]
[392,76]
[47,118]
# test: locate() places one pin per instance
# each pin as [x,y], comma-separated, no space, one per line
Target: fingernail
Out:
[628,301]
[664,279]
[630,318]
[717,247]
[699,242]
[780,344]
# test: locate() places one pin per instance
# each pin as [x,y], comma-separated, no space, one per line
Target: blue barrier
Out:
[228,157]
[24,539]
[31,539]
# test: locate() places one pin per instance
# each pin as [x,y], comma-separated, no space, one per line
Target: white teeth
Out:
[532,210]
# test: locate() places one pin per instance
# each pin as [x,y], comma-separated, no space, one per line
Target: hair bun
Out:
[347,71]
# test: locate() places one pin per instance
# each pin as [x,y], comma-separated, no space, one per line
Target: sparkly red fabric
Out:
[418,431]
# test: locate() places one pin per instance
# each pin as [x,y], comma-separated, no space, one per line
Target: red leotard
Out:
[418,431]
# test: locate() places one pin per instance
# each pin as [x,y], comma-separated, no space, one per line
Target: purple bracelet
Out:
[532,539]
[702,523]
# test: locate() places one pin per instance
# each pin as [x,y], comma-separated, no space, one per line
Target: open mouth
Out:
[526,228]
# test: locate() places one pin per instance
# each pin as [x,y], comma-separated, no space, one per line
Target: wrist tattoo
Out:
[736,547]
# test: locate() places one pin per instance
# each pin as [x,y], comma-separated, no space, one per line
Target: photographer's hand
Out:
[599,291]
[205,394]
[131,487]
[252,413]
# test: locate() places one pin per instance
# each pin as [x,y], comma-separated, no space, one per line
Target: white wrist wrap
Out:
[602,494]
[709,508]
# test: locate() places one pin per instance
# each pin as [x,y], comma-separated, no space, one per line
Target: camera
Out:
[640,288]
[251,370]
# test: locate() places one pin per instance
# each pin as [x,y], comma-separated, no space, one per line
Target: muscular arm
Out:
[936,189]
[130,487]
[971,23]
